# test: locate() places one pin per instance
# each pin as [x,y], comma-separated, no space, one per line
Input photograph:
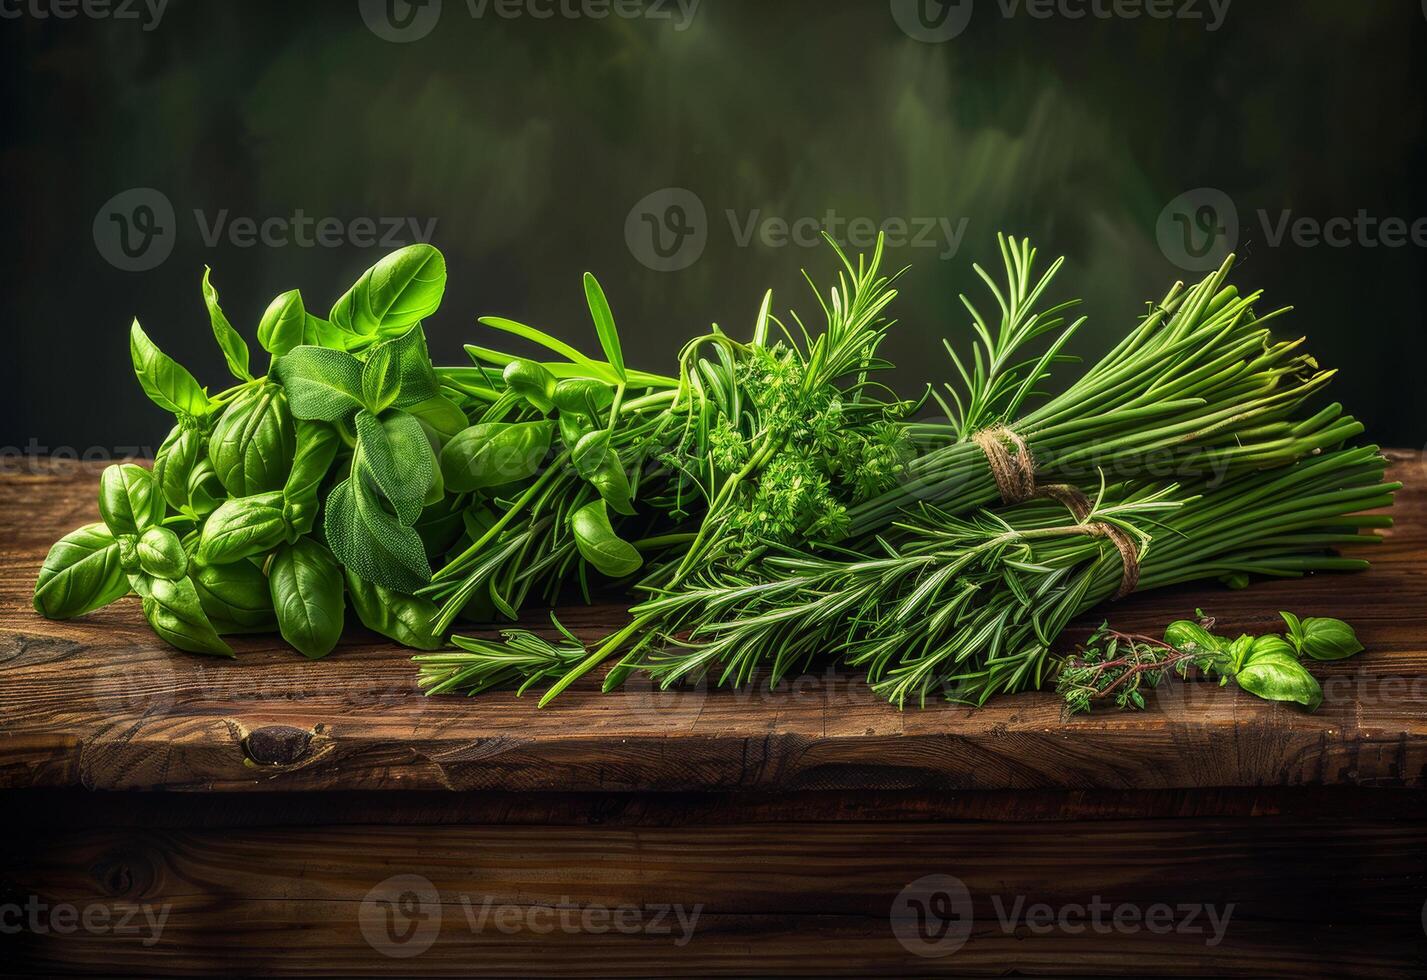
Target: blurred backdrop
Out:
[687,151]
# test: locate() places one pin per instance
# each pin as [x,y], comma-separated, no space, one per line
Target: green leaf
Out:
[598,543]
[307,590]
[404,618]
[322,385]
[613,484]
[604,326]
[403,288]
[1267,647]
[381,379]
[531,381]
[235,597]
[174,463]
[168,384]
[1190,637]
[1280,677]
[587,364]
[317,446]
[284,323]
[590,452]
[129,499]
[492,454]
[579,396]
[442,414]
[176,614]
[161,554]
[81,573]
[1295,630]
[417,380]
[371,542]
[234,347]
[1329,639]
[243,527]
[205,491]
[395,456]
[253,443]
[317,332]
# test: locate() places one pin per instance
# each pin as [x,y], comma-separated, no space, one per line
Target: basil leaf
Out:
[307,588]
[129,499]
[1280,677]
[1268,647]
[205,491]
[317,445]
[442,414]
[613,484]
[598,543]
[283,324]
[531,381]
[590,452]
[404,618]
[317,332]
[254,441]
[234,347]
[604,326]
[581,395]
[81,573]
[174,463]
[394,454]
[176,614]
[1295,630]
[161,554]
[1189,637]
[168,385]
[492,454]
[235,597]
[1329,639]
[321,384]
[572,427]
[404,287]
[243,527]
[371,542]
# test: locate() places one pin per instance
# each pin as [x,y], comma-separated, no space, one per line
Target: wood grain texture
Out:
[101,703]
[1297,899]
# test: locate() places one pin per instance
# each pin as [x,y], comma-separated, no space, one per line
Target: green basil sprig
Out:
[307,589]
[1321,638]
[81,573]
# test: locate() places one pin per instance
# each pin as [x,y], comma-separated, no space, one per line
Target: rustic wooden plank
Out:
[100,703]
[810,899]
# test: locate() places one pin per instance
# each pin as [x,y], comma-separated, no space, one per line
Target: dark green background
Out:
[530,140]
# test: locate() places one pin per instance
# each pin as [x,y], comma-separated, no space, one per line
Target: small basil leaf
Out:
[604,326]
[395,456]
[404,287]
[1278,677]
[307,589]
[578,395]
[1189,637]
[81,573]
[531,381]
[168,384]
[590,452]
[613,484]
[174,463]
[1295,630]
[492,454]
[322,385]
[317,332]
[235,597]
[161,554]
[1329,639]
[205,491]
[404,618]
[253,443]
[234,347]
[381,379]
[176,614]
[442,414]
[243,527]
[129,499]
[317,445]
[283,324]
[598,543]
[371,542]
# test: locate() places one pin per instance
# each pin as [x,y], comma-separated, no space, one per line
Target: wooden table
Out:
[178,814]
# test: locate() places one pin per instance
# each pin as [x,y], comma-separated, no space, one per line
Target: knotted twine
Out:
[1015,476]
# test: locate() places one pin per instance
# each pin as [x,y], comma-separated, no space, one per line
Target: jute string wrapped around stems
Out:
[1015,476]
